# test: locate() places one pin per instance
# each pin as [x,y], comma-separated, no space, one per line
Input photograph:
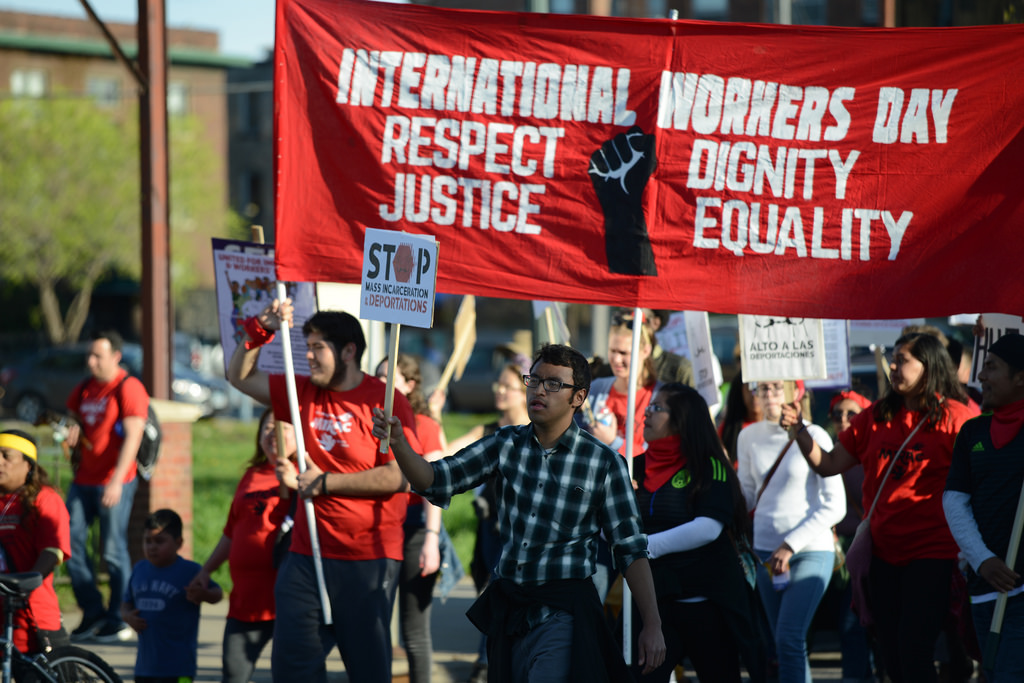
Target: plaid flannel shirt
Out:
[552,505]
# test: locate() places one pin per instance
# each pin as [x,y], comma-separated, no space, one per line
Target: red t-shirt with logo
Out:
[24,537]
[337,430]
[102,431]
[256,513]
[908,522]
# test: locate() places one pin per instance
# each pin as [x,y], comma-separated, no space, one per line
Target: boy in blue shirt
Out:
[160,609]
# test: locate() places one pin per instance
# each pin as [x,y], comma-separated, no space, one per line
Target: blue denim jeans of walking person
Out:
[790,611]
[85,505]
[1009,664]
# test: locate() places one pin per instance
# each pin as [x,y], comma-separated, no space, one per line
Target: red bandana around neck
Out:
[1006,423]
[662,460]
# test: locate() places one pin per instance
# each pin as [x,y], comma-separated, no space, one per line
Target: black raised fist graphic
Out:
[619,171]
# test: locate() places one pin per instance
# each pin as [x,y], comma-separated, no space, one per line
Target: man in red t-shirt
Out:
[357,493]
[111,408]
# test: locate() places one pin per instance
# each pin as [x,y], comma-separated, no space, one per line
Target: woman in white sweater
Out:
[793,519]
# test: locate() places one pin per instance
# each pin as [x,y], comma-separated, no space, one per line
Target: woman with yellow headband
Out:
[35,537]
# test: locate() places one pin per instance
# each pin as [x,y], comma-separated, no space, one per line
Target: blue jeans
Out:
[790,611]
[1009,665]
[84,506]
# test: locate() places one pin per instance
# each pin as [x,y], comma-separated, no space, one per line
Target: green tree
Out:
[69,203]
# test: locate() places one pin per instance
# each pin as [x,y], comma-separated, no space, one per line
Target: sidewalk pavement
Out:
[455,646]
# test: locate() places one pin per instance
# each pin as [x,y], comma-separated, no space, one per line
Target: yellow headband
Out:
[18,443]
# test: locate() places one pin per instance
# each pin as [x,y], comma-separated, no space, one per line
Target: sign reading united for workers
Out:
[399,277]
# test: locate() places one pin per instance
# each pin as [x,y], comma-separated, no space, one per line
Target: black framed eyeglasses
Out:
[551,384]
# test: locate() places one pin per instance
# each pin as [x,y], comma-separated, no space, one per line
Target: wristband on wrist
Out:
[258,335]
[323,484]
[433,531]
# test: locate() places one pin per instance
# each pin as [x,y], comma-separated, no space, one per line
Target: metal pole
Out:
[155,196]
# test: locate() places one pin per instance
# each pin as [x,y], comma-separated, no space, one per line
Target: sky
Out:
[246,27]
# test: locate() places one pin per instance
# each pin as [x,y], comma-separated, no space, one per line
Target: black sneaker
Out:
[114,633]
[85,631]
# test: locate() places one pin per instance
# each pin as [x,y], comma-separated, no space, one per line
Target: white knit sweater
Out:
[798,506]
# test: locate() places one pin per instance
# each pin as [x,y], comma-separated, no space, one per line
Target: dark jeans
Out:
[909,604]
[415,594]
[362,594]
[697,630]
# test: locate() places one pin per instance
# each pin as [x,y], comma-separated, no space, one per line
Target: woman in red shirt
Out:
[422,529]
[609,396]
[913,553]
[34,537]
[255,520]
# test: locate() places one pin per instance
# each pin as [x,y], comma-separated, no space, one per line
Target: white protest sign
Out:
[778,347]
[996,325]
[698,337]
[246,282]
[672,335]
[837,356]
[399,278]
[554,322]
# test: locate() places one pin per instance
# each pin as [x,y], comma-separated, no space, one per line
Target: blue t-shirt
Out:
[168,645]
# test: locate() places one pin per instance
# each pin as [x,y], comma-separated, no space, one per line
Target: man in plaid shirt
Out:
[558,489]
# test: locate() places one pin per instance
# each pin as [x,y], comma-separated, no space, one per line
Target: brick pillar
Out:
[171,485]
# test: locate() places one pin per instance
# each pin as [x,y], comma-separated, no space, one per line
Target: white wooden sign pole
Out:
[634,372]
[300,443]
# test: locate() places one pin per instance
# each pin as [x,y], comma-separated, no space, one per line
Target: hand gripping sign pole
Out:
[634,372]
[988,658]
[398,282]
[293,407]
[256,233]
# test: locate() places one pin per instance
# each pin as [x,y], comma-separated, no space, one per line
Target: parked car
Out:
[43,381]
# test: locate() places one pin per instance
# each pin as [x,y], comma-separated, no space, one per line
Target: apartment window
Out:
[104,90]
[28,82]
[177,98]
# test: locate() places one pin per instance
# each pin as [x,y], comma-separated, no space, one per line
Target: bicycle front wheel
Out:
[72,664]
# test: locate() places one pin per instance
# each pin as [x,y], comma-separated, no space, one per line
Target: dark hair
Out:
[410,369]
[735,415]
[259,456]
[36,478]
[939,377]
[165,520]
[689,417]
[112,336]
[565,357]
[339,329]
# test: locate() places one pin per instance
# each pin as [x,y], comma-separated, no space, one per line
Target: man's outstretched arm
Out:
[417,470]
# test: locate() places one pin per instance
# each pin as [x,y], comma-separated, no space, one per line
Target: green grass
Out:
[220,450]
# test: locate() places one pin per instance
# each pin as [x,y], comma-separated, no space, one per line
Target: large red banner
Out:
[820,172]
